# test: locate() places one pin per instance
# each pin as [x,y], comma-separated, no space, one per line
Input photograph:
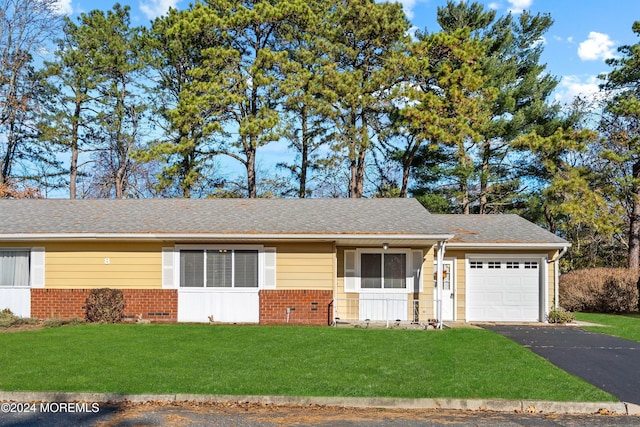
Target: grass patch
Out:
[303,361]
[620,325]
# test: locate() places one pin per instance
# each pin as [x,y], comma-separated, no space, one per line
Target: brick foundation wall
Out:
[158,305]
[306,307]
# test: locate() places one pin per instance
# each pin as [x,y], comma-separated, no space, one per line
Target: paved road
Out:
[610,363]
[258,415]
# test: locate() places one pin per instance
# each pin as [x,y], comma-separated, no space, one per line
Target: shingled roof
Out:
[469,230]
[218,216]
[338,219]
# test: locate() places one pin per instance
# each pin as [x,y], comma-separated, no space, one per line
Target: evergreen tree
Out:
[510,65]
[113,51]
[307,101]
[236,80]
[445,99]
[367,44]
[70,117]
[183,147]
[621,125]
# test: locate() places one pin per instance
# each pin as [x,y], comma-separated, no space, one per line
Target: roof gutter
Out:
[222,236]
[505,245]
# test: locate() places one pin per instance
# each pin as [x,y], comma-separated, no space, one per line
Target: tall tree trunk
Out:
[304,153]
[360,171]
[7,162]
[634,221]
[73,171]
[353,158]
[407,161]
[186,183]
[73,166]
[251,169]
[362,154]
[406,167]
[484,177]
[464,187]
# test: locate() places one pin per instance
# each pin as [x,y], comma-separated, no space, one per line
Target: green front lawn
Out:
[304,361]
[621,325]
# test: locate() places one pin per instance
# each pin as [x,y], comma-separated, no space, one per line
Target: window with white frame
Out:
[219,268]
[14,267]
[383,270]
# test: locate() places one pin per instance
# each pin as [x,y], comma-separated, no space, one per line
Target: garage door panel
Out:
[508,291]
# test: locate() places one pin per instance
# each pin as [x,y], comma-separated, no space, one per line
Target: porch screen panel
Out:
[219,269]
[395,271]
[192,269]
[246,269]
[371,271]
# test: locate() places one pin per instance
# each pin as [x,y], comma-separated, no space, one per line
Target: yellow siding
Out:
[305,266]
[107,264]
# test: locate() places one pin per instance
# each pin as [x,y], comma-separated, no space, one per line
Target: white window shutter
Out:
[168,268]
[37,267]
[269,268]
[349,271]
[417,260]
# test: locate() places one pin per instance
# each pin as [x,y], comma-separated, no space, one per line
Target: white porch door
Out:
[447,291]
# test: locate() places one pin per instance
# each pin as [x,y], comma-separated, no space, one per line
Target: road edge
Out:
[497,405]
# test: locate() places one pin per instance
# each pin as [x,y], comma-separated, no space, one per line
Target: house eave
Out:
[503,245]
[339,238]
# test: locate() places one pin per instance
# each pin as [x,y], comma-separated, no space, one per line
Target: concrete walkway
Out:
[610,363]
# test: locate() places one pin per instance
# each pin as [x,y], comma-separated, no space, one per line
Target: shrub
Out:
[560,315]
[105,305]
[8,319]
[604,290]
[620,294]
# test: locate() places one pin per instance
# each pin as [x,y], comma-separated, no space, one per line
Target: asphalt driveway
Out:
[610,363]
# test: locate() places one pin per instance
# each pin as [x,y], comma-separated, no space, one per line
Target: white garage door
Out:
[503,290]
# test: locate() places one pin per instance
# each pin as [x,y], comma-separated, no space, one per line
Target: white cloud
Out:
[63,7]
[518,6]
[597,46]
[154,8]
[407,6]
[570,87]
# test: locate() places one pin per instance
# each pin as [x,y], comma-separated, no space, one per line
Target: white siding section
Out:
[228,306]
[18,300]
[383,307]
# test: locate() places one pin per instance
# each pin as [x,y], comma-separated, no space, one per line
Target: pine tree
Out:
[622,126]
